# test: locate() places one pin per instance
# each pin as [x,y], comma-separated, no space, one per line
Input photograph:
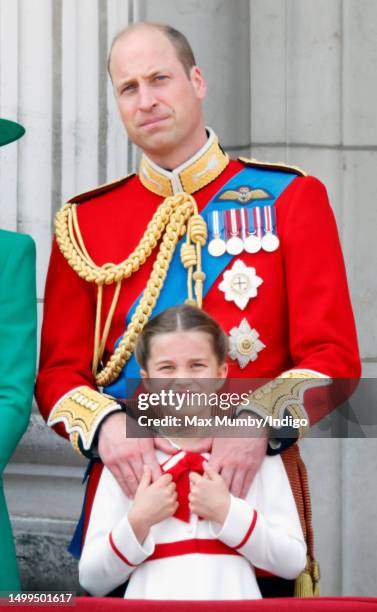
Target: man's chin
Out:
[160,142]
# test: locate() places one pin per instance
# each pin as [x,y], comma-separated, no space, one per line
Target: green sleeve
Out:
[17,339]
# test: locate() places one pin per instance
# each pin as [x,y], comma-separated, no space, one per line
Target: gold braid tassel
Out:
[168,222]
[196,237]
[307,583]
[316,576]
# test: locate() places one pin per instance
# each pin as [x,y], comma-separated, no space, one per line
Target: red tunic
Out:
[302,311]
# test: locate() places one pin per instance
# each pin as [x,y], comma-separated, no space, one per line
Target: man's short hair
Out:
[178,40]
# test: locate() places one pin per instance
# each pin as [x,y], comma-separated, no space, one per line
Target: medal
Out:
[240,284]
[234,244]
[270,241]
[252,244]
[216,246]
[251,240]
[244,344]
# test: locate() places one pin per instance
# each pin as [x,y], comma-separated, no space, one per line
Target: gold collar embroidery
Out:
[194,174]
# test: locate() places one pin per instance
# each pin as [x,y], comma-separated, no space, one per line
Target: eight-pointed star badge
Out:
[244,343]
[240,284]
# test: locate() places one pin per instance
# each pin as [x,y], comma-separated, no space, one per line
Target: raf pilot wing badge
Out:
[245,194]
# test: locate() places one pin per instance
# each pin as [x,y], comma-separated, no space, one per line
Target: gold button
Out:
[245,345]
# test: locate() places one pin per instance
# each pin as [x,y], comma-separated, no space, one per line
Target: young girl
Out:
[156,540]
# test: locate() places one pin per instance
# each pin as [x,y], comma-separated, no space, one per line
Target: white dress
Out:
[199,559]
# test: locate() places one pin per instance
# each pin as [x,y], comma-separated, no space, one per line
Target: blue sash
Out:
[174,290]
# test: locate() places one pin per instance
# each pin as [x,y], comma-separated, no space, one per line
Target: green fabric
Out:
[17,366]
[9,576]
[10,131]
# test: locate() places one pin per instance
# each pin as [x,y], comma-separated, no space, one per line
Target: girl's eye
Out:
[198,365]
[165,368]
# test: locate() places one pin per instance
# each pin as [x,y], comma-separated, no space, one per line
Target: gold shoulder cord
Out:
[176,216]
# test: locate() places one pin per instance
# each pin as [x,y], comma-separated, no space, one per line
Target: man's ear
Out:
[198,82]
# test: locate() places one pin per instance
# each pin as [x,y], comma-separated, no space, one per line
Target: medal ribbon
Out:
[269,219]
[233,222]
[215,224]
[250,228]
[257,221]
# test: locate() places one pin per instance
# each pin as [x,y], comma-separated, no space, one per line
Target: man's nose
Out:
[147,99]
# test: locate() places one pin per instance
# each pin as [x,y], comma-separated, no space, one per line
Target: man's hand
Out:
[237,460]
[209,496]
[126,457]
[153,503]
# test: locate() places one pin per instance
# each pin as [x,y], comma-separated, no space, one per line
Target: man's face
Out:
[159,103]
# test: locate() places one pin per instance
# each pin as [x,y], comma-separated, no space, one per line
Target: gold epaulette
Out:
[279,166]
[92,193]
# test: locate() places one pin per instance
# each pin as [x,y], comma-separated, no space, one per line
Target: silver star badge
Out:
[244,344]
[240,284]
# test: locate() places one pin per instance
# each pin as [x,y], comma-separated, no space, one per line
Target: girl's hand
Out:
[153,503]
[209,496]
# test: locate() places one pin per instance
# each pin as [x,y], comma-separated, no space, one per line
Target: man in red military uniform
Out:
[270,270]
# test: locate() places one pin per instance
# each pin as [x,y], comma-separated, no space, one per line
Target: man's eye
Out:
[165,368]
[160,77]
[198,365]
[128,89]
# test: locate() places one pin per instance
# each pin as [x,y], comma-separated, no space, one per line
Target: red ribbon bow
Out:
[191,462]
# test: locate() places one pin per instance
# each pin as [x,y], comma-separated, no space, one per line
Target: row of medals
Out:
[249,242]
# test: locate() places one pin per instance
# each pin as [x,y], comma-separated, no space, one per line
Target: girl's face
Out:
[184,361]
[183,354]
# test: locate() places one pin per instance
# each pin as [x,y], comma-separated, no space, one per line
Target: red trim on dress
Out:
[176,451]
[118,553]
[261,573]
[189,547]
[249,531]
